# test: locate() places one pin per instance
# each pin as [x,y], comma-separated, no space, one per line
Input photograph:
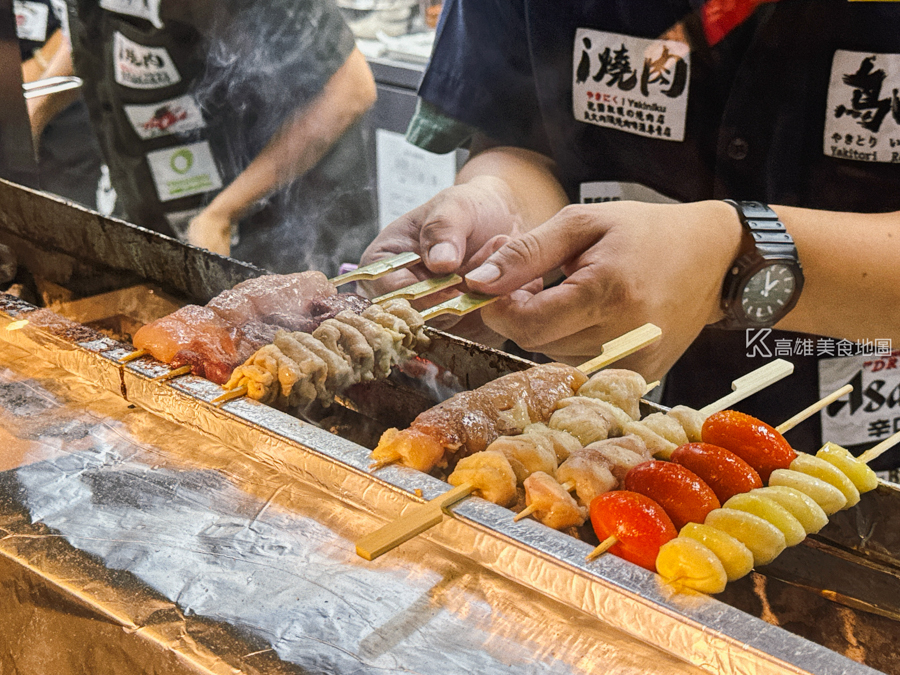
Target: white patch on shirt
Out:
[174,116]
[862,118]
[184,170]
[143,9]
[140,67]
[61,9]
[31,20]
[636,85]
[871,412]
[614,191]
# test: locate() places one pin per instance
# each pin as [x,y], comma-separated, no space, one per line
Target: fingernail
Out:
[485,274]
[442,254]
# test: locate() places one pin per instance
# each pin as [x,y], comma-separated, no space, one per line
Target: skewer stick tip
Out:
[17,325]
[876,451]
[524,513]
[136,354]
[172,374]
[230,395]
[604,546]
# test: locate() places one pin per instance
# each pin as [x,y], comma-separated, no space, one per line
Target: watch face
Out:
[767,293]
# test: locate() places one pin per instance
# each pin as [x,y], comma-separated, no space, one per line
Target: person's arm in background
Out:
[298,146]
[54,59]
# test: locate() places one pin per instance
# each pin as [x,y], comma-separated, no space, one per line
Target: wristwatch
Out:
[764,283]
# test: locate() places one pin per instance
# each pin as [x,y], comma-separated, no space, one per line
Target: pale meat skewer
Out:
[469,421]
[360,338]
[592,419]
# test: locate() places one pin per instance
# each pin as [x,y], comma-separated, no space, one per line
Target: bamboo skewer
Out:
[460,305]
[378,268]
[17,325]
[813,409]
[604,546]
[568,486]
[421,289]
[751,383]
[876,451]
[419,519]
[622,346]
[172,374]
[136,354]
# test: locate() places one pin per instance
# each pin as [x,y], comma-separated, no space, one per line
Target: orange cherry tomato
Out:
[683,495]
[754,441]
[724,472]
[640,524]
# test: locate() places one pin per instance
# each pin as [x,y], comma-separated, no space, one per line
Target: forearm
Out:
[303,139]
[850,264]
[42,109]
[532,186]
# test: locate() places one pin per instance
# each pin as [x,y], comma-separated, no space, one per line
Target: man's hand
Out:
[626,263]
[447,231]
[211,230]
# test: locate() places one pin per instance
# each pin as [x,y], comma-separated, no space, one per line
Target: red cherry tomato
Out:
[724,472]
[640,524]
[755,442]
[685,498]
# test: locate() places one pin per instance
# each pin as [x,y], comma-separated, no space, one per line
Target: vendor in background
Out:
[604,136]
[233,125]
[68,156]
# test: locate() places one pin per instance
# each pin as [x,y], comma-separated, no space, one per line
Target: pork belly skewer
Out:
[469,421]
[279,300]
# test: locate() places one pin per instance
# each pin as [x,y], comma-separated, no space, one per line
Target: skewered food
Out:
[491,474]
[638,524]
[685,498]
[280,299]
[754,441]
[298,368]
[770,510]
[736,559]
[551,503]
[622,388]
[824,494]
[469,421]
[724,472]
[686,558]
[767,519]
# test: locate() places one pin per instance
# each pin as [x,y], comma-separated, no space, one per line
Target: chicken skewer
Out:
[374,327]
[397,532]
[469,421]
[369,343]
[588,473]
[598,413]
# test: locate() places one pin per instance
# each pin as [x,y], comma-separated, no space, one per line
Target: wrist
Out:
[730,232]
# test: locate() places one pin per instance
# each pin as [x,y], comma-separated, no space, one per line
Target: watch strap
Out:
[770,241]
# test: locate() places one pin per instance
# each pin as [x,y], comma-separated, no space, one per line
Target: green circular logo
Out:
[182,161]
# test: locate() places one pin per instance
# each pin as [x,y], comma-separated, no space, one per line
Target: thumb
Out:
[530,256]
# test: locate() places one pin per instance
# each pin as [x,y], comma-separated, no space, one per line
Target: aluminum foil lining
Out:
[132,544]
[695,628]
